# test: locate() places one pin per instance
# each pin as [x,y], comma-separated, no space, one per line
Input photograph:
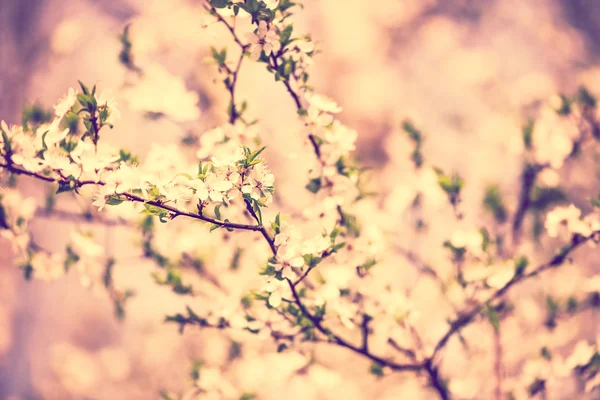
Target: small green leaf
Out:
[285,34]
[314,185]
[492,316]
[376,369]
[493,203]
[520,265]
[528,134]
[219,3]
[84,88]
[546,353]
[114,200]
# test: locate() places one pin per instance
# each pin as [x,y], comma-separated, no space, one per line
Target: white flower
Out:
[271,4]
[25,153]
[208,140]
[124,179]
[58,159]
[502,275]
[258,184]
[91,159]
[581,355]
[240,132]
[211,188]
[277,290]
[179,192]
[230,159]
[299,53]
[322,103]
[593,284]
[288,259]
[316,245]
[593,383]
[18,210]
[48,267]
[265,39]
[317,120]
[19,241]
[553,137]
[65,103]
[566,216]
[85,246]
[339,141]
[12,131]
[50,134]
[100,197]
[161,180]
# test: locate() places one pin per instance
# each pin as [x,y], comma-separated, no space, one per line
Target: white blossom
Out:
[265,39]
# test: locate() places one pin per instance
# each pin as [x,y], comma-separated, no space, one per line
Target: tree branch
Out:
[466,318]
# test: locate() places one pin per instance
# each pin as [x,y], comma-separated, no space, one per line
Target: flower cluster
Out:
[566,220]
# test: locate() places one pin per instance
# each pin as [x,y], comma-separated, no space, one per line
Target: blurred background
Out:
[468,73]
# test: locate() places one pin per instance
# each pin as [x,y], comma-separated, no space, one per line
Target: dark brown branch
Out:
[407,352]
[466,317]
[214,12]
[436,381]
[364,326]
[132,197]
[343,343]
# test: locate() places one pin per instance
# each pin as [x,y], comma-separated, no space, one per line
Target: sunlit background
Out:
[468,73]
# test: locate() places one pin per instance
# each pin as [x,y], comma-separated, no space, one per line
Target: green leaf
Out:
[492,316]
[252,5]
[256,207]
[586,98]
[185,175]
[219,3]
[544,352]
[520,265]
[252,156]
[413,133]
[452,185]
[376,369]
[87,101]
[528,134]
[314,185]
[84,88]
[285,34]
[338,246]
[572,304]
[493,203]
[277,224]
[214,227]
[114,201]
[6,140]
[219,56]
